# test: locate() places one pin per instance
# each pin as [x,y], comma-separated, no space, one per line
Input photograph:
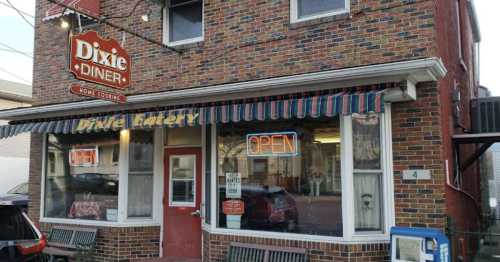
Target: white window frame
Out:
[171,202]
[166,28]
[294,12]
[123,220]
[349,234]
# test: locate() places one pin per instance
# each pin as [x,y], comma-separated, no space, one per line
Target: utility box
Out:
[419,245]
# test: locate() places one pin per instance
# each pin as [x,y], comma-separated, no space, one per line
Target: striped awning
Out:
[328,105]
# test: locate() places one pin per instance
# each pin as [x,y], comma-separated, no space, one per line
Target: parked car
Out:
[20,240]
[269,207]
[17,196]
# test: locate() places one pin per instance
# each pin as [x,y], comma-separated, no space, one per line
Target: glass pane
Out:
[140,180]
[183,191]
[141,151]
[368,202]
[82,178]
[182,178]
[297,193]
[185,21]
[408,249]
[313,7]
[140,195]
[183,167]
[366,141]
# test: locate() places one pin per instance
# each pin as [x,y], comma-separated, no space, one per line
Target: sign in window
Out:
[272,144]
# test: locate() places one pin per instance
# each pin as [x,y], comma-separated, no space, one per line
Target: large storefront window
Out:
[280,176]
[81,179]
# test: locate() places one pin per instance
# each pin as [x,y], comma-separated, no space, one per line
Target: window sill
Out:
[319,19]
[358,239]
[128,223]
[184,44]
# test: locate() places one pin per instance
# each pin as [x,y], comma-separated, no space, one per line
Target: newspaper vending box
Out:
[419,245]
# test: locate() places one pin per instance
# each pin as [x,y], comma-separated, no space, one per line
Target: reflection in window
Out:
[182,179]
[81,180]
[316,7]
[367,172]
[298,193]
[185,19]
[140,176]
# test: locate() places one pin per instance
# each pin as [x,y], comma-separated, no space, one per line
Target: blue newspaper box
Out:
[419,245]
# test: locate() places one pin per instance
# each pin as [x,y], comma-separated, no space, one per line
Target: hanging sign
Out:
[272,144]
[84,157]
[99,60]
[95,93]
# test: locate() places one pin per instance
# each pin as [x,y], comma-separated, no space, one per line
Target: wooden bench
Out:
[67,241]
[242,252]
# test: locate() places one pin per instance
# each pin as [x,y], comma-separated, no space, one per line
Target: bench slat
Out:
[242,252]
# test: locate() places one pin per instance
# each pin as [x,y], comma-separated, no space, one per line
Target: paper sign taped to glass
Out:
[233,185]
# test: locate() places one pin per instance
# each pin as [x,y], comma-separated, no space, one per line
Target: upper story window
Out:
[302,10]
[183,21]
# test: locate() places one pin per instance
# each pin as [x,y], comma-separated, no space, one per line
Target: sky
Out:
[16,33]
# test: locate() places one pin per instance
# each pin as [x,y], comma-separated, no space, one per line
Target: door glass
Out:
[182,181]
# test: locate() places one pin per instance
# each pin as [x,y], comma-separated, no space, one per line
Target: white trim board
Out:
[414,71]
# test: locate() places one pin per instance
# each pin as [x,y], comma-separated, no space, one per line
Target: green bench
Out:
[65,242]
[243,252]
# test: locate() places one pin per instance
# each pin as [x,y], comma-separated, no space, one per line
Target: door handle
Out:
[196,213]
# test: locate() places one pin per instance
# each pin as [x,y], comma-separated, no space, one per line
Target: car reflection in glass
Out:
[266,208]
[95,182]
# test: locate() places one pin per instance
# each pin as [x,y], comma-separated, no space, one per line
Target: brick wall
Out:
[124,244]
[245,40]
[216,248]
[417,144]
[35,176]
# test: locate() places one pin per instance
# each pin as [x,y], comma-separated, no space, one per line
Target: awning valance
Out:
[260,110]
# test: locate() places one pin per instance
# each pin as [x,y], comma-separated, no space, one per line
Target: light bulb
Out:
[64,24]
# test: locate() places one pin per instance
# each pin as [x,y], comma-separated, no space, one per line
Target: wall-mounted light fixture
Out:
[64,23]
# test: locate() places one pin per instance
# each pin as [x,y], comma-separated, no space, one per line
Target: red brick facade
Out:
[216,247]
[245,40]
[250,40]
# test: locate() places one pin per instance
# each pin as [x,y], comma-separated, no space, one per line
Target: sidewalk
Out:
[172,259]
[490,248]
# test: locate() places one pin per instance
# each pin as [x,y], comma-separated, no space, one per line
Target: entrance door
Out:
[182,223]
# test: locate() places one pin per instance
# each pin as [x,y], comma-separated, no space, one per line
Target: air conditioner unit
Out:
[486,115]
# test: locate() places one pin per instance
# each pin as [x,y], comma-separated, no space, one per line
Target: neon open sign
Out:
[272,144]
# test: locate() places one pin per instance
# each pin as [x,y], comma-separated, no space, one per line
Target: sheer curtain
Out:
[140,179]
[367,172]
[367,204]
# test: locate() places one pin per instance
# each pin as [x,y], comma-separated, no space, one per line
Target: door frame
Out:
[166,186]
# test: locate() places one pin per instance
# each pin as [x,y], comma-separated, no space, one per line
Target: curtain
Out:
[140,197]
[367,202]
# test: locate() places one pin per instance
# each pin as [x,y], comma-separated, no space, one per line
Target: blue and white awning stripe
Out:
[328,105]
